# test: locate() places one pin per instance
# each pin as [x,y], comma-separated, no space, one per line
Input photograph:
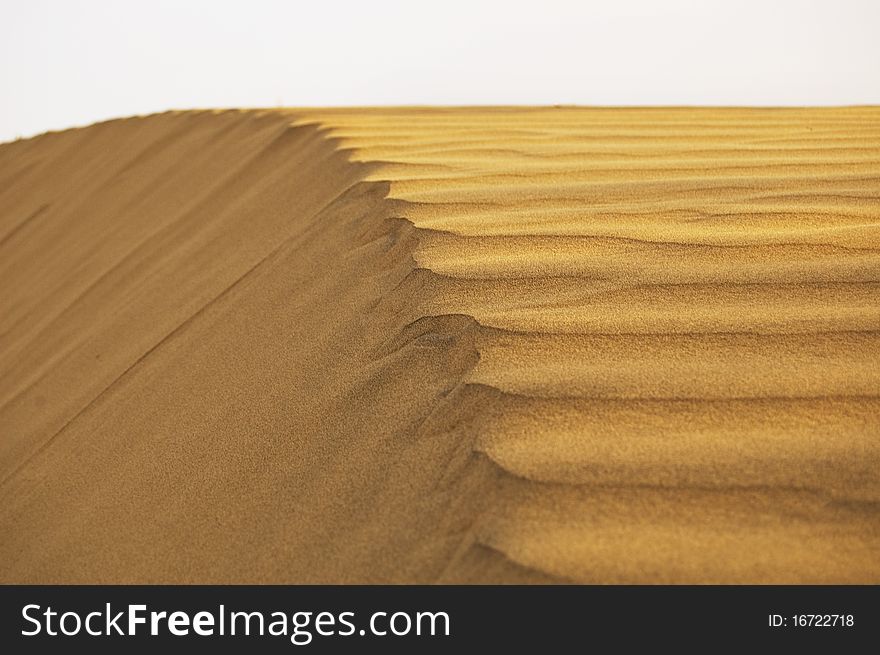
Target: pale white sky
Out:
[73,62]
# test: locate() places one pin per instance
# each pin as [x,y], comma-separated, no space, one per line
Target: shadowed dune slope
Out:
[454,345]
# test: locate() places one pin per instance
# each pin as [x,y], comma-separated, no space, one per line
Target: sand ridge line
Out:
[533,367]
[237,433]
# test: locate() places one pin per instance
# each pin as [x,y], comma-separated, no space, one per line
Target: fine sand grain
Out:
[443,345]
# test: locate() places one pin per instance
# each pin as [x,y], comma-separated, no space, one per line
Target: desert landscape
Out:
[443,345]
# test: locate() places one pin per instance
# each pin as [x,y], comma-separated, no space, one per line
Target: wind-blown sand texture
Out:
[443,345]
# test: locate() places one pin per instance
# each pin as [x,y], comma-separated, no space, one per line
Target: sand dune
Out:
[443,345]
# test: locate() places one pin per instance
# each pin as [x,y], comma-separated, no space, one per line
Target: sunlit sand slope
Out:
[480,345]
[679,316]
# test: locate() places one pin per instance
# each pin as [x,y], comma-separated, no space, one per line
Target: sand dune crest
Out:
[479,345]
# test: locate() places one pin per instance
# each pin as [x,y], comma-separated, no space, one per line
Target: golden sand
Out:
[443,345]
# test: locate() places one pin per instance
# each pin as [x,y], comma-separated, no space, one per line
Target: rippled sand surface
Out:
[443,345]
